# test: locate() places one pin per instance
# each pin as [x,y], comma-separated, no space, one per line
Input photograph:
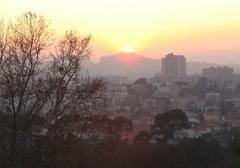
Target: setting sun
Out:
[119,83]
[154,27]
[127,48]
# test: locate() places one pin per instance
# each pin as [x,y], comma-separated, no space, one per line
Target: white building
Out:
[174,66]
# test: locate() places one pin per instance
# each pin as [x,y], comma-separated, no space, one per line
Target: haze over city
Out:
[119,84]
[205,31]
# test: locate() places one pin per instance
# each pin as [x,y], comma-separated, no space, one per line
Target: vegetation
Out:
[52,113]
[167,123]
[46,103]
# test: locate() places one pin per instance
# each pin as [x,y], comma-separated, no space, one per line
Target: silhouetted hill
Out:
[126,64]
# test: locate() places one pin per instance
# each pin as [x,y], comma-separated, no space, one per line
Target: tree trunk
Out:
[13,144]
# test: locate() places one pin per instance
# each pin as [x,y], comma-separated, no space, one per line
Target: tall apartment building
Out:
[174,66]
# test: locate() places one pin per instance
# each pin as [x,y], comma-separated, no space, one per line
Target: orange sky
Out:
[203,30]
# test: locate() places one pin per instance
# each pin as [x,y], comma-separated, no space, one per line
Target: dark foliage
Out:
[167,123]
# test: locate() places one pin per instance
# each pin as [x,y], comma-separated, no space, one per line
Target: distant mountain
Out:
[135,66]
[126,64]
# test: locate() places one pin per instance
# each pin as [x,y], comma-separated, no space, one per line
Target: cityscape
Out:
[210,99]
[120,84]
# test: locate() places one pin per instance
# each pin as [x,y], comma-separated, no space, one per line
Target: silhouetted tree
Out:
[142,137]
[48,99]
[202,152]
[21,95]
[113,130]
[167,123]
[142,88]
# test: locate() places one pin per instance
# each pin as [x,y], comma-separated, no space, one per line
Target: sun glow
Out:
[127,48]
[155,27]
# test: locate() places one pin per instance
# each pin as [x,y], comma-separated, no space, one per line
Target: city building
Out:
[222,76]
[218,72]
[174,66]
[212,103]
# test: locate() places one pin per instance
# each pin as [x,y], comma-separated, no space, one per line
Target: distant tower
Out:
[174,66]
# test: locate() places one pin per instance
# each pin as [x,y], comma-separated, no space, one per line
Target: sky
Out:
[202,30]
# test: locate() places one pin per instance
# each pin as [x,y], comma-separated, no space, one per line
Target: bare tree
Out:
[73,93]
[75,98]
[21,46]
[55,97]
[3,37]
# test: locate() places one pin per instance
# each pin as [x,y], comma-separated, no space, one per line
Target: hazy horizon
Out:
[161,87]
[201,30]
[229,62]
